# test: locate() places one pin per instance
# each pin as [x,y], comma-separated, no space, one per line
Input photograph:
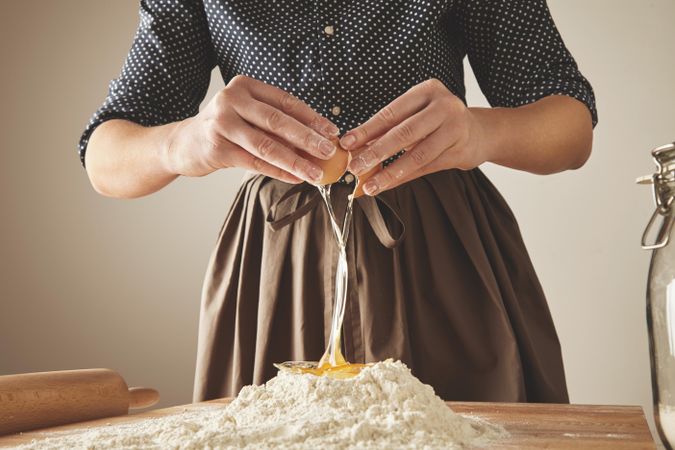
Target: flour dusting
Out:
[385,406]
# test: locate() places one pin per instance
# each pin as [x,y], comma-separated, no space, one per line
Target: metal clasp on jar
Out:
[663,190]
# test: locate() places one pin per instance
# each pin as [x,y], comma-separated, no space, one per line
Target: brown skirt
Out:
[439,278]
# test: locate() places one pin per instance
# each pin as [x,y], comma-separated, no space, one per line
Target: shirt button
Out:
[349,178]
[335,110]
[329,30]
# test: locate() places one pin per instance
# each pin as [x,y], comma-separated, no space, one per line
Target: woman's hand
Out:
[252,125]
[255,126]
[434,127]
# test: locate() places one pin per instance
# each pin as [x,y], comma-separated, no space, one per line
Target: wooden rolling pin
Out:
[37,400]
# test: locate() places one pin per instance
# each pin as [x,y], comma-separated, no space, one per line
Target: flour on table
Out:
[384,407]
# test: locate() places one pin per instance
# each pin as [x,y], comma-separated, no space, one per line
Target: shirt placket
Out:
[326,30]
[334,104]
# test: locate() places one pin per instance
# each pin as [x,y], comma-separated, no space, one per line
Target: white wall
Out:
[87,281]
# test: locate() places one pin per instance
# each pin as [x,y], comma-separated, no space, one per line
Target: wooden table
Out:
[532,426]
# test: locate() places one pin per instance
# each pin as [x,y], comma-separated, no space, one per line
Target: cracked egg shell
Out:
[358,192]
[333,168]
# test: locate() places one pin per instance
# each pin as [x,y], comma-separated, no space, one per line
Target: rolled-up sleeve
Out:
[167,70]
[517,53]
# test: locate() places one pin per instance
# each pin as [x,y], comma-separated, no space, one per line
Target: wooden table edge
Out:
[482,410]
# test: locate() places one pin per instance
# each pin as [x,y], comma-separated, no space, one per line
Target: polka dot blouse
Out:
[345,58]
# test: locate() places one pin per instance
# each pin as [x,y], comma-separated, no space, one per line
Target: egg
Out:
[333,168]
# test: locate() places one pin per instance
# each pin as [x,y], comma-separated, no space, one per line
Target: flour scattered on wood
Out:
[385,406]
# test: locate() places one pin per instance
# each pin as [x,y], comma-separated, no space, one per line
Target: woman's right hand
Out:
[255,126]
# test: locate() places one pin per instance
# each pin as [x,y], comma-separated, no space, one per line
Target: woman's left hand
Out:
[435,128]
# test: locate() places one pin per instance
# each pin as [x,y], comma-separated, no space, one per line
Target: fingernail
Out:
[371,187]
[331,130]
[348,140]
[362,162]
[315,173]
[356,165]
[327,148]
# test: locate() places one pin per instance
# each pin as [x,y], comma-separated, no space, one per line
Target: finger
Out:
[280,124]
[412,164]
[294,107]
[269,149]
[406,133]
[411,102]
[238,157]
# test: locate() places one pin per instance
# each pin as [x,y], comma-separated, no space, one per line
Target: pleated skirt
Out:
[439,278]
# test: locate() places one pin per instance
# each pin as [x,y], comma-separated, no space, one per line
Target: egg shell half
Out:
[333,168]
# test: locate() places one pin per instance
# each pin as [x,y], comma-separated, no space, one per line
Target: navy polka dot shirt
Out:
[345,58]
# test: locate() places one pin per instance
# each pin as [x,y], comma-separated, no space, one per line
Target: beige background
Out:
[87,281]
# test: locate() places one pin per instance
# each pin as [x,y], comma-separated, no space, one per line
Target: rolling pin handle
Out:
[140,397]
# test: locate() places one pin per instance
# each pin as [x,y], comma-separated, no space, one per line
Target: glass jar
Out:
[661,291]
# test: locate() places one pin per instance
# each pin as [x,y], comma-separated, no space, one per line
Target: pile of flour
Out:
[384,407]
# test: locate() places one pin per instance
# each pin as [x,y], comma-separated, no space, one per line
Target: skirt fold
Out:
[439,278]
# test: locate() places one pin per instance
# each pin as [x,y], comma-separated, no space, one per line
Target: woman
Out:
[439,275]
